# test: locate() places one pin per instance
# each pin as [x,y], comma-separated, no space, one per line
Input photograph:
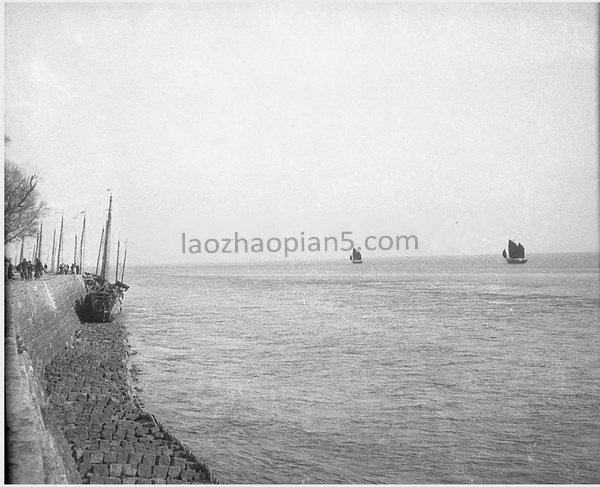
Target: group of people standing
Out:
[25,268]
[66,269]
[28,270]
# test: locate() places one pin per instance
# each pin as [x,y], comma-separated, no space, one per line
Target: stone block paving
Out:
[113,440]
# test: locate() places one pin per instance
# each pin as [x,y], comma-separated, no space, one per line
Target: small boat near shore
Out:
[104,300]
[516,253]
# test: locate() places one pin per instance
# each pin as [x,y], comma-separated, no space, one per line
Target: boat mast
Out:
[35,247]
[39,249]
[106,254]
[124,259]
[53,249]
[75,251]
[60,241]
[81,245]
[22,247]
[99,250]
[117,266]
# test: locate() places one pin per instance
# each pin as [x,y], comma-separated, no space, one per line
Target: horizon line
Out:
[335,259]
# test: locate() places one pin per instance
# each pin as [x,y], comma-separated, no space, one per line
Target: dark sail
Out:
[520,251]
[504,253]
[356,255]
[513,250]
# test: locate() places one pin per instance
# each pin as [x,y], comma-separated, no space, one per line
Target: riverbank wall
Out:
[71,416]
[40,321]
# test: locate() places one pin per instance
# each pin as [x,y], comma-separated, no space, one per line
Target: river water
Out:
[416,370]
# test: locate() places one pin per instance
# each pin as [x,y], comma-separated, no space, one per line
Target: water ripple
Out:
[440,371]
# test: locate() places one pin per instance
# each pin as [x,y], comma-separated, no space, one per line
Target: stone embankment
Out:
[113,439]
[70,413]
[40,321]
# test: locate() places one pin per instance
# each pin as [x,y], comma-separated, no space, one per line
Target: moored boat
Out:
[104,300]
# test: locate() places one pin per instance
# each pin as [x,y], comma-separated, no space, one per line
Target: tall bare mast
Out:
[117,266]
[22,247]
[53,251]
[124,259]
[60,241]
[35,246]
[39,247]
[99,251]
[106,255]
[81,244]
[75,251]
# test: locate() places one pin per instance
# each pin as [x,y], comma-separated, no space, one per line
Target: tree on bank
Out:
[23,208]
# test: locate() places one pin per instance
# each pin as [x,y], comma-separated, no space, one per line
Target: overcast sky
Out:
[464,125]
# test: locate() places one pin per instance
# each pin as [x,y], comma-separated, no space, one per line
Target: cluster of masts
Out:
[58,257]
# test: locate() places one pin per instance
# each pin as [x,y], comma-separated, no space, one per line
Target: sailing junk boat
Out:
[516,253]
[355,257]
[104,299]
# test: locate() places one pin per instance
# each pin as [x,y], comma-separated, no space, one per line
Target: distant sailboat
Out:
[356,257]
[516,253]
